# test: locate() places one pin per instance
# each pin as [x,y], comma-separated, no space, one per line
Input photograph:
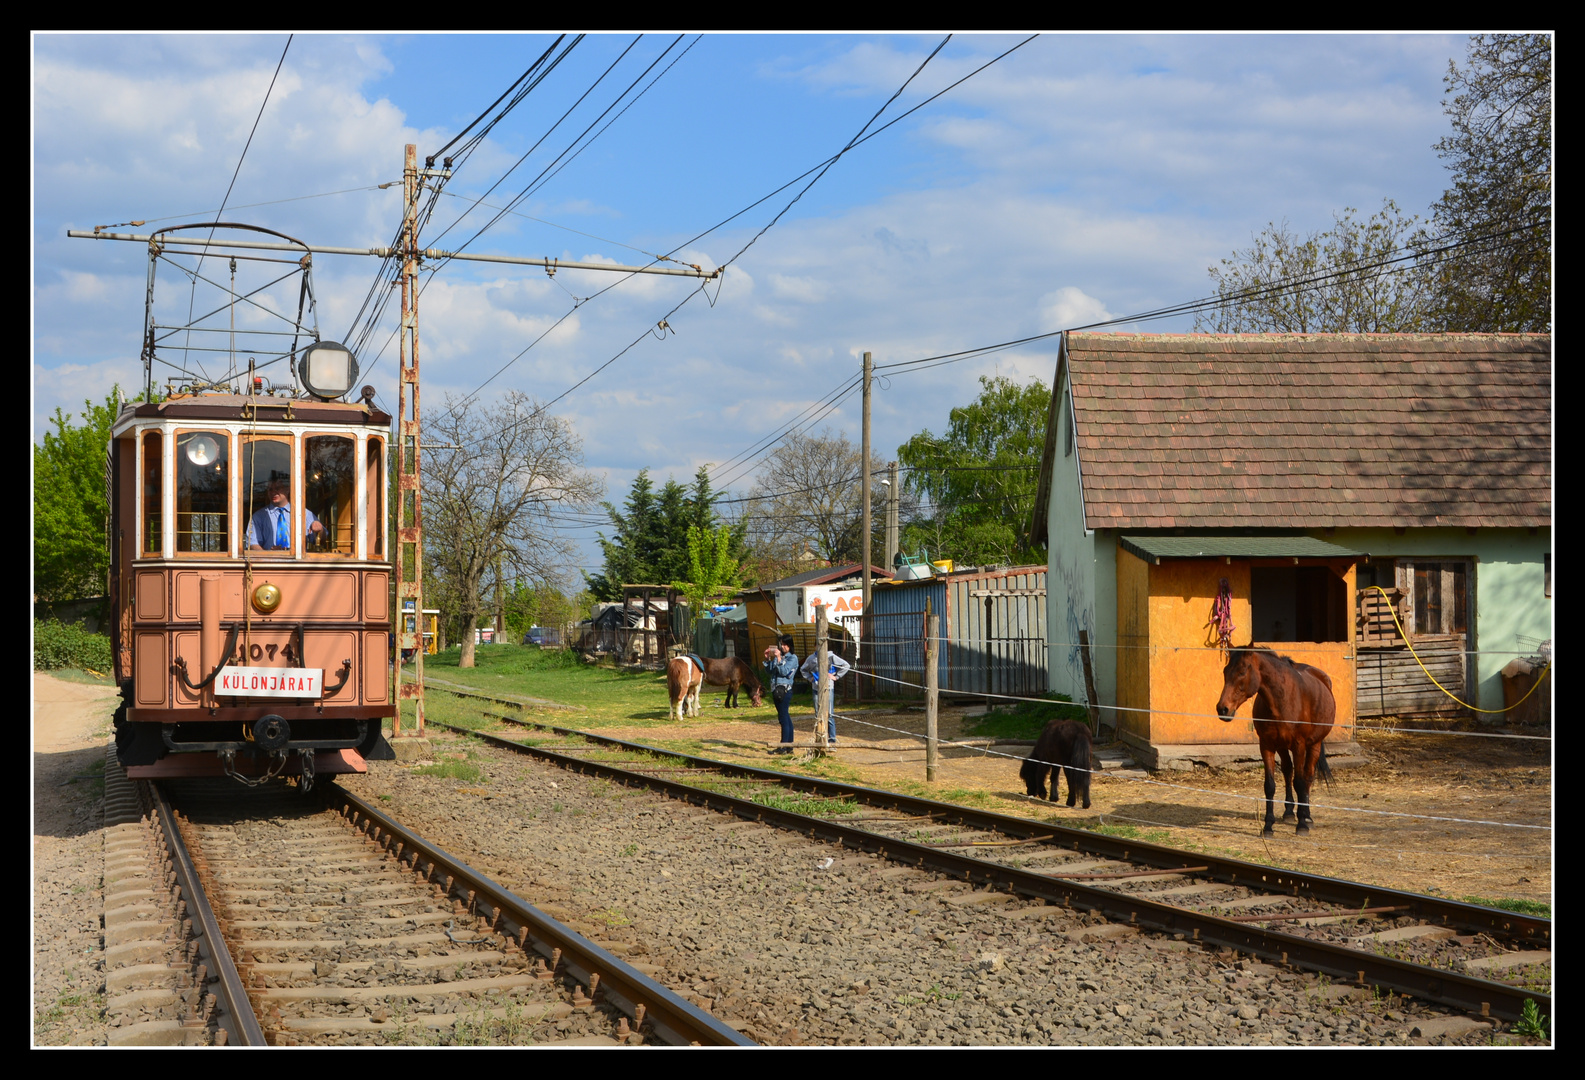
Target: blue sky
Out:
[1083,176]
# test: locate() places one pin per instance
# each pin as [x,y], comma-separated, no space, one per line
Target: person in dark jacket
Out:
[783,666]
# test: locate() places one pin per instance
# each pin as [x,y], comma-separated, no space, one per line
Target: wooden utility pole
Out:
[407,555]
[932,689]
[894,498]
[409,559]
[500,604]
[822,683]
[864,482]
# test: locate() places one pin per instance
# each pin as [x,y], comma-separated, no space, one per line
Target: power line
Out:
[823,166]
[430,159]
[538,143]
[550,171]
[234,174]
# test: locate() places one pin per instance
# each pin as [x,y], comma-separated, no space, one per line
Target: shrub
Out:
[62,645]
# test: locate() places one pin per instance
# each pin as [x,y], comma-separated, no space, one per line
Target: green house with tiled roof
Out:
[1376,505]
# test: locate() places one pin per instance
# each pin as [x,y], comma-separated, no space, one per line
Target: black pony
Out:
[1063,745]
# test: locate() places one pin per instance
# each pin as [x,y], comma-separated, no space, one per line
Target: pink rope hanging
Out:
[1221,621]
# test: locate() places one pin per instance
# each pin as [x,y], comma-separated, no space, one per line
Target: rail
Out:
[1482,996]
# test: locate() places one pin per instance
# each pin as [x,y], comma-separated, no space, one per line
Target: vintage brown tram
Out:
[251,583]
[250,572]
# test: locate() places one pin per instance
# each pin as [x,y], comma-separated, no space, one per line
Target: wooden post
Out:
[864,485]
[932,689]
[1089,683]
[822,682]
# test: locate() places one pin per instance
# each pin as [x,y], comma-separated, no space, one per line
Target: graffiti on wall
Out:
[1079,614]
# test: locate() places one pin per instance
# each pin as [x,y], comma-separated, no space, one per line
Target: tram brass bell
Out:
[266,598]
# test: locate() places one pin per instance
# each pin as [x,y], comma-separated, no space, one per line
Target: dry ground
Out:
[71,728]
[1418,816]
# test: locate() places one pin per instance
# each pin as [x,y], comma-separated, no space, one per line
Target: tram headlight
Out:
[328,369]
[266,598]
[202,450]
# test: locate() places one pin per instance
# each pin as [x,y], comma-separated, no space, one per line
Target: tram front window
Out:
[330,485]
[203,490]
[267,487]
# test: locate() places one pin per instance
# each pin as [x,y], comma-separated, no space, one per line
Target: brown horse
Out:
[684,680]
[1293,712]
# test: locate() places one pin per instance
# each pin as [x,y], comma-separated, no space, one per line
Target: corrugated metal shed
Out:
[993,621]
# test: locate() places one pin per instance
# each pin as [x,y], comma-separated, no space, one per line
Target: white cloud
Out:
[1069,307]
[1083,176]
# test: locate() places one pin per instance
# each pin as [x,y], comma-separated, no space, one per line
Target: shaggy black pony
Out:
[1064,745]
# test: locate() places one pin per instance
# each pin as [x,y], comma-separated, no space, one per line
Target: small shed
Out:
[1288,593]
[993,622]
[1423,463]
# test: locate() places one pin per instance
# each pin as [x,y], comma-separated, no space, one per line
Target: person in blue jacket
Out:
[838,668]
[783,666]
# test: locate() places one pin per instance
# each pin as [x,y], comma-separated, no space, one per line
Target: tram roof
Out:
[230,407]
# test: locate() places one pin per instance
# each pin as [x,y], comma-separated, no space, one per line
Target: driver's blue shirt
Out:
[271,527]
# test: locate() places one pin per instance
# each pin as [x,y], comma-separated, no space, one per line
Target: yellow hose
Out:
[1439,686]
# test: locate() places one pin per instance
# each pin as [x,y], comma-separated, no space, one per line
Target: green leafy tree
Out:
[712,571]
[70,508]
[1360,276]
[1500,158]
[541,603]
[980,476]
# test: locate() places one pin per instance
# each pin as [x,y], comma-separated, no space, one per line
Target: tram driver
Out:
[270,528]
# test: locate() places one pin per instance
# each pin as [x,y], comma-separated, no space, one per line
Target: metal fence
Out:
[993,630]
[894,652]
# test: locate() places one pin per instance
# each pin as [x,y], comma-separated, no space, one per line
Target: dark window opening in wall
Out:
[1547,563]
[1298,603]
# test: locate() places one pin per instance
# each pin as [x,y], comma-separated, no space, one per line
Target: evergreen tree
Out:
[650,545]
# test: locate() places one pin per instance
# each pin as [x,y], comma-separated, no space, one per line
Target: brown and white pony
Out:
[684,680]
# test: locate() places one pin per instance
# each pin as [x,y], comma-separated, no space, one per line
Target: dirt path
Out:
[71,727]
[1418,816]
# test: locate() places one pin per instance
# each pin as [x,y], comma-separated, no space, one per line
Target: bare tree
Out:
[493,482]
[1361,277]
[807,497]
[1500,157]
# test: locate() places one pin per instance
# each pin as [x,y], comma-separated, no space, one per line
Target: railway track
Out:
[318,920]
[1481,960]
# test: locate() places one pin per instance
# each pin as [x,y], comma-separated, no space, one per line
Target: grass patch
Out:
[80,675]
[962,796]
[1025,719]
[1538,908]
[452,769]
[808,805]
[607,694]
[1126,832]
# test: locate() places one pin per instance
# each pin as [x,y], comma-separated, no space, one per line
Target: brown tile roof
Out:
[1311,431]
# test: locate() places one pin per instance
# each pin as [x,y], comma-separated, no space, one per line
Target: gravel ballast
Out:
[801,943]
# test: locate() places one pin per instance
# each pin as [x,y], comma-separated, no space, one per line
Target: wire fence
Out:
[1217,716]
